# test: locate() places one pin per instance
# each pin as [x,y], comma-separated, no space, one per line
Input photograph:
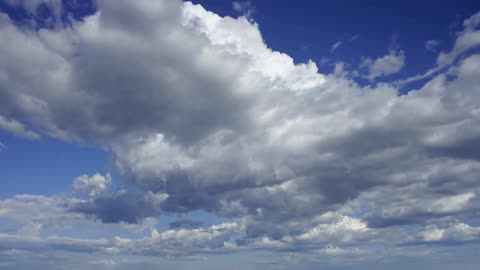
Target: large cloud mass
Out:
[199,114]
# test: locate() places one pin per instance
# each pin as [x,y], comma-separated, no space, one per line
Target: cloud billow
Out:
[200,114]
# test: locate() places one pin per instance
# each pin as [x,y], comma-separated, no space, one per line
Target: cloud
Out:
[186,224]
[416,203]
[3,147]
[94,185]
[17,129]
[344,230]
[247,9]
[466,40]
[431,45]
[31,214]
[200,114]
[40,13]
[452,232]
[389,64]
[339,43]
[121,207]
[335,46]
[116,206]
[32,6]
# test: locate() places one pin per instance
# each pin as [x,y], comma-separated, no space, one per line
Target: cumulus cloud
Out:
[388,64]
[200,114]
[453,232]
[247,9]
[93,185]
[121,206]
[344,230]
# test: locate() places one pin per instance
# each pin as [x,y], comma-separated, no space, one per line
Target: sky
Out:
[218,134]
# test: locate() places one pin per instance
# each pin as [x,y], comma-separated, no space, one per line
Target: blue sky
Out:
[239,134]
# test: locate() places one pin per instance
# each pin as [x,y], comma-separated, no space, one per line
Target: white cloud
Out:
[388,64]
[201,115]
[17,128]
[3,147]
[345,230]
[247,9]
[454,232]
[431,45]
[94,185]
[335,46]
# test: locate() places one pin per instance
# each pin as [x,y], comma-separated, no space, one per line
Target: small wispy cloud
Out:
[339,43]
[2,147]
[335,46]
[324,60]
[432,45]
[17,128]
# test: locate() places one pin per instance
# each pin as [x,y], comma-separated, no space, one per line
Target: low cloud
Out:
[199,114]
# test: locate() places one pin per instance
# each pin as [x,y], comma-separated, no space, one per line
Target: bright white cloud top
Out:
[199,114]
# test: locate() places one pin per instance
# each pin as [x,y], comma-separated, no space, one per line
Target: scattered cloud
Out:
[200,114]
[453,232]
[466,40]
[128,207]
[246,8]
[391,63]
[94,185]
[17,129]
[36,9]
[431,45]
[335,46]
[3,147]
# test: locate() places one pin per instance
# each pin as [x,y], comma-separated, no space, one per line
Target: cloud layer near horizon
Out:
[200,114]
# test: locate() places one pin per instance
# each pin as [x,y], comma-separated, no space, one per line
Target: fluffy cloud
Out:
[453,232]
[343,230]
[200,114]
[245,8]
[92,185]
